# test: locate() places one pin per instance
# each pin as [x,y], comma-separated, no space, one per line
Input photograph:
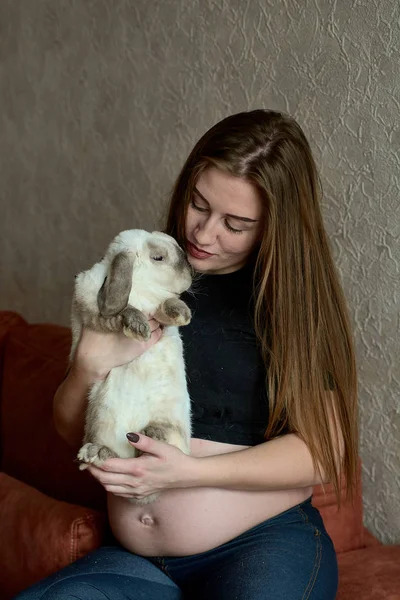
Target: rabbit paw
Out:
[173,312]
[94,454]
[135,324]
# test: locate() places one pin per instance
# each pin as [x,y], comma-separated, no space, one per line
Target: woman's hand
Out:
[97,353]
[161,467]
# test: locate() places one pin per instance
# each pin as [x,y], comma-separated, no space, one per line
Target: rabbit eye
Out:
[157,258]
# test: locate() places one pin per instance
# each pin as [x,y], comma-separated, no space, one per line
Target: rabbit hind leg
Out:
[94,454]
[171,433]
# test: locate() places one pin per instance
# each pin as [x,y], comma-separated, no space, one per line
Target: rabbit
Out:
[141,273]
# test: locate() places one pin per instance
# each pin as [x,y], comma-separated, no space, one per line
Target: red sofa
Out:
[51,513]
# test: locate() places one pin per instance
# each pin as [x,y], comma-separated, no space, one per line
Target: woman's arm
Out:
[282,463]
[69,405]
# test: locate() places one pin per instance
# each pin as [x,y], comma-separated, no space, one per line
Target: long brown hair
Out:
[300,316]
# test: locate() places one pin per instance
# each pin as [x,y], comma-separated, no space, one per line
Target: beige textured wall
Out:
[101,100]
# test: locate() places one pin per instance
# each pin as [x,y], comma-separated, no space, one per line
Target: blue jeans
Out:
[288,557]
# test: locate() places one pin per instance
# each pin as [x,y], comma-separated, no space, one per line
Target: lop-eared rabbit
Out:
[141,274]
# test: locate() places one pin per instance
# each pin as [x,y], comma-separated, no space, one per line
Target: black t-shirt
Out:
[224,368]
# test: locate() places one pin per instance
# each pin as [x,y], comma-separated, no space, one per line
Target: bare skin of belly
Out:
[192,520]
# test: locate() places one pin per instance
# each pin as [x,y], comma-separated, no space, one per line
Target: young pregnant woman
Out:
[271,374]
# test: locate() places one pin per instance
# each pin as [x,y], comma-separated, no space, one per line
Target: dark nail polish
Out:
[132,437]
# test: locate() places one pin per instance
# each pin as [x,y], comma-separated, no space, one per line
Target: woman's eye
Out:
[200,209]
[157,258]
[196,207]
[232,229]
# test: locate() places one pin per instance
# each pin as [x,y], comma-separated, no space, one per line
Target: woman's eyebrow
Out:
[245,219]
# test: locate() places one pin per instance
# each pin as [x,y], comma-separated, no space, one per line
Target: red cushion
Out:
[35,359]
[40,535]
[370,574]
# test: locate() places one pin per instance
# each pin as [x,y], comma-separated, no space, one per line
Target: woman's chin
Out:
[200,265]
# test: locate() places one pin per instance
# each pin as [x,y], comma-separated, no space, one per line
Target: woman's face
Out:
[223,223]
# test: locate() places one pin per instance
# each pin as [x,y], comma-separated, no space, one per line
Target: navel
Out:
[147,520]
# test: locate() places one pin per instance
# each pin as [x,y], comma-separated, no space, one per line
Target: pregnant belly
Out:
[188,521]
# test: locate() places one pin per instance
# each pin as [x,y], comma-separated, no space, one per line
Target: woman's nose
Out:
[206,232]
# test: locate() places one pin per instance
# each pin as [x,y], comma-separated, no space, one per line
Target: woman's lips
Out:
[196,252]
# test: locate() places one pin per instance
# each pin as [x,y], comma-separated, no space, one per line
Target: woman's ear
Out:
[114,293]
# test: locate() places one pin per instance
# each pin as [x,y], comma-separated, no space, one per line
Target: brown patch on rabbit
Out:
[114,293]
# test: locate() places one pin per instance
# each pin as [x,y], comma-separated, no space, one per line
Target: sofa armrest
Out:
[40,535]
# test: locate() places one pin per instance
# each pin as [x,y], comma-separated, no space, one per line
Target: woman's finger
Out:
[115,476]
[119,490]
[130,496]
[154,324]
[155,336]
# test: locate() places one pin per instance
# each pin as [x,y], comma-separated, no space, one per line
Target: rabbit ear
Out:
[114,293]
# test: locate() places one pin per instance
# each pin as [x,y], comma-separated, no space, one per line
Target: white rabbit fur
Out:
[145,273]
